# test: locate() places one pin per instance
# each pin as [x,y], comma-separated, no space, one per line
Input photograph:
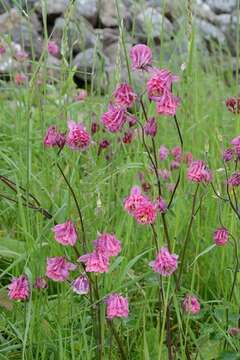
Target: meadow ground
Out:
[56,323]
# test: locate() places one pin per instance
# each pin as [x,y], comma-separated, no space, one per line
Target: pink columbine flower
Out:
[107,244]
[81,95]
[124,95]
[150,127]
[77,138]
[233,105]
[175,165]
[114,118]
[53,48]
[160,82]
[95,262]
[134,200]
[65,233]
[19,288]
[168,104]
[94,127]
[21,55]
[188,158]
[171,187]
[117,306]
[54,138]
[228,154]
[81,285]
[177,153]
[163,152]
[164,174]
[132,120]
[141,57]
[127,137]
[40,283]
[2,49]
[20,79]
[145,213]
[58,268]
[165,263]
[234,179]
[220,236]
[198,172]
[236,144]
[161,205]
[191,304]
[234,331]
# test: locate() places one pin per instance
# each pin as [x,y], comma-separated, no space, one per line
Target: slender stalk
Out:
[179,131]
[99,328]
[118,340]
[169,338]
[183,253]
[77,206]
[155,237]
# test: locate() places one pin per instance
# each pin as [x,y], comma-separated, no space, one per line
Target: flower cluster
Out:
[140,207]
[165,263]
[106,246]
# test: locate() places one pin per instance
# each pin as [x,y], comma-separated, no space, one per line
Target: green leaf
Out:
[229,356]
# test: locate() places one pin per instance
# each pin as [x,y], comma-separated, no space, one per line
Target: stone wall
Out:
[88,29]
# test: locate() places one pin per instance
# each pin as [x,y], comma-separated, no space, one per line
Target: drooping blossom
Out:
[108,245]
[132,120]
[161,205]
[145,213]
[175,165]
[234,179]
[104,144]
[236,145]
[94,127]
[234,331]
[164,174]
[167,104]
[19,288]
[165,263]
[65,233]
[220,236]
[117,306]
[124,95]
[21,55]
[177,153]
[81,285]
[95,262]
[233,104]
[150,127]
[40,283]
[163,152]
[134,200]
[81,95]
[77,138]
[228,154]
[188,158]
[20,79]
[58,268]
[191,305]
[2,49]
[171,187]
[114,118]
[54,138]
[198,172]
[127,137]
[160,82]
[53,48]
[141,57]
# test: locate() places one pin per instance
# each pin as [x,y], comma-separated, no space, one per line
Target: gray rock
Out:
[204,12]
[87,9]
[89,63]
[7,62]
[53,7]
[222,6]
[150,23]
[80,33]
[108,12]
[21,31]
[210,32]
[107,36]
